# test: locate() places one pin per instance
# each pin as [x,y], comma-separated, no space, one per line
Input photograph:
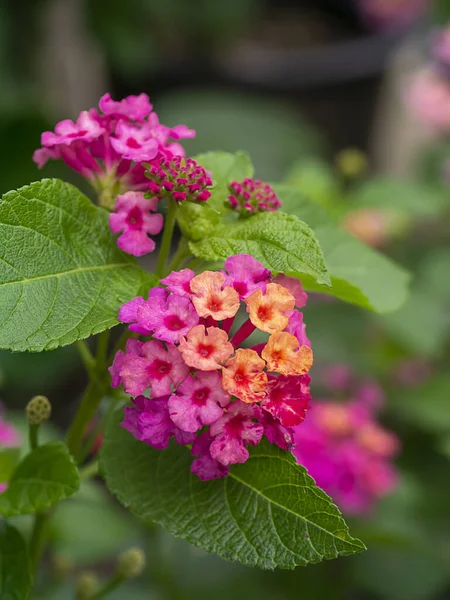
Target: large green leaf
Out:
[15,569]
[359,274]
[281,242]
[9,457]
[62,277]
[45,476]
[266,513]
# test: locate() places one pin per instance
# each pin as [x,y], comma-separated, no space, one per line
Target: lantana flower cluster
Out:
[111,144]
[192,379]
[343,447]
[9,438]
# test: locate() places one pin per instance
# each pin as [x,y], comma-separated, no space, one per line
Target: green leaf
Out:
[62,277]
[411,197]
[281,242]
[267,513]
[45,476]
[359,274]
[198,220]
[9,457]
[15,570]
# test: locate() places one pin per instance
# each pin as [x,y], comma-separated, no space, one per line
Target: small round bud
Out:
[352,163]
[38,410]
[61,566]
[86,586]
[131,563]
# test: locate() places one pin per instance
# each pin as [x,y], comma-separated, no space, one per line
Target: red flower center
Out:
[159,369]
[174,323]
[205,350]
[132,143]
[134,218]
[200,396]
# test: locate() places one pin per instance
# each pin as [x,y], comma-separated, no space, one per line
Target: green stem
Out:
[183,252]
[195,263]
[90,470]
[166,238]
[86,355]
[109,587]
[86,411]
[33,431]
[37,539]
[102,350]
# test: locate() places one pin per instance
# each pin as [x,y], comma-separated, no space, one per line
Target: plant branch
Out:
[166,238]
[109,587]
[86,355]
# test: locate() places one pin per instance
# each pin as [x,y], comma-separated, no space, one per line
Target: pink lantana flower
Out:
[198,401]
[179,178]
[276,433]
[298,328]
[168,322]
[149,422]
[135,108]
[288,399]
[246,275]
[134,143]
[204,465]
[295,287]
[133,218]
[179,282]
[152,367]
[233,431]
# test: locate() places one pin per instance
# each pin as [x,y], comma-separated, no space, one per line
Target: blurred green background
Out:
[293,82]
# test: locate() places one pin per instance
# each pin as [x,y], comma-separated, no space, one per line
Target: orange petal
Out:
[284,355]
[268,311]
[210,299]
[205,349]
[243,376]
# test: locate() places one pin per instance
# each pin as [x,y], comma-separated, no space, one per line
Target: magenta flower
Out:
[179,282]
[198,401]
[298,328]
[9,435]
[3,487]
[288,399]
[233,431]
[246,275]
[67,132]
[134,143]
[108,148]
[252,195]
[134,219]
[347,452]
[180,178]
[153,367]
[135,108]
[276,433]
[128,312]
[204,465]
[148,421]
[170,321]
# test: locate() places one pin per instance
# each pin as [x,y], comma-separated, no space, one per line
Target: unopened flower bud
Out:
[352,163]
[131,563]
[38,410]
[86,586]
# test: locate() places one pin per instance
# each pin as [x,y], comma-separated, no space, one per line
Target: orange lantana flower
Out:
[210,299]
[243,376]
[270,311]
[205,349]
[284,355]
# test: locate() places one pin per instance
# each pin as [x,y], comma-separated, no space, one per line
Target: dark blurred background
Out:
[289,81]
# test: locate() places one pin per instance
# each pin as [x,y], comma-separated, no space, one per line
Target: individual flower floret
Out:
[180,178]
[288,399]
[284,355]
[170,320]
[134,143]
[198,401]
[270,311]
[205,349]
[135,108]
[204,465]
[133,218]
[246,275]
[149,422]
[244,377]
[152,366]
[252,195]
[179,282]
[212,298]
